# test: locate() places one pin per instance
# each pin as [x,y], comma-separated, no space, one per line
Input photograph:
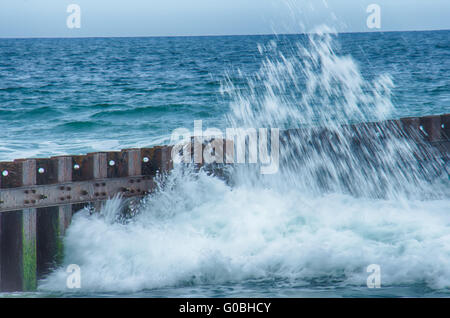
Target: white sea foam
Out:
[202,231]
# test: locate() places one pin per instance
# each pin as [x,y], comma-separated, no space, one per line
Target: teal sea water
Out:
[285,235]
[60,96]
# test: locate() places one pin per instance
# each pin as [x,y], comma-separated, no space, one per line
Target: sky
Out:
[48,18]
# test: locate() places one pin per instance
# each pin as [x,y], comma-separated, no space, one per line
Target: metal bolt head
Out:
[5,173]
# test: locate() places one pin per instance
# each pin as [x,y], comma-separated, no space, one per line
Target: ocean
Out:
[284,235]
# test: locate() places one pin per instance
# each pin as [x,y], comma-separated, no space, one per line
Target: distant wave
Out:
[82,125]
[139,111]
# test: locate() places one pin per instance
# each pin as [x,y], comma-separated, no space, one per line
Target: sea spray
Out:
[320,93]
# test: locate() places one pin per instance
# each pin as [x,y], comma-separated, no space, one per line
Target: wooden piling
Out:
[18,234]
[99,171]
[432,127]
[52,221]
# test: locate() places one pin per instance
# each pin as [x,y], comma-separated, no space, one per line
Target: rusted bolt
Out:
[96,194]
[68,188]
[69,197]
[33,201]
[132,190]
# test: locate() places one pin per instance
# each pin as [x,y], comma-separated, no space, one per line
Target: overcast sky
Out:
[47,18]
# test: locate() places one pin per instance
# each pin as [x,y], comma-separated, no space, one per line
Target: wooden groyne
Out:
[39,196]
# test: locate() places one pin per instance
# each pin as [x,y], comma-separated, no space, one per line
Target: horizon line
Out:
[210,35]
